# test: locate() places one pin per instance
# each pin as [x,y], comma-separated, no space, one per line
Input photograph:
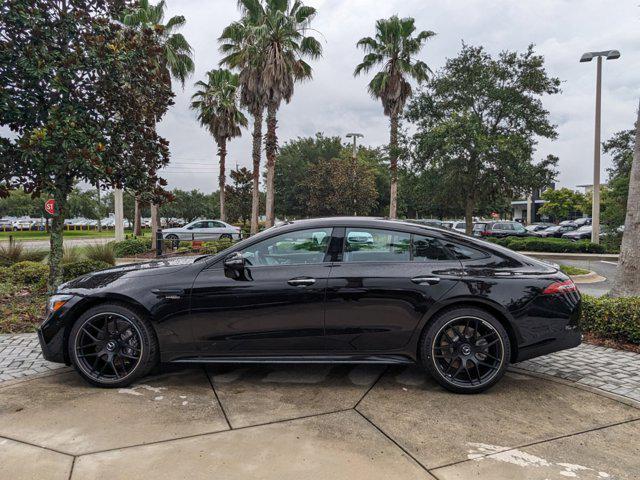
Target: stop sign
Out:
[50,206]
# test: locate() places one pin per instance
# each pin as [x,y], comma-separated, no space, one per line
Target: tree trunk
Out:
[222,153]
[255,192]
[56,234]
[393,167]
[627,282]
[137,218]
[155,224]
[468,215]
[271,147]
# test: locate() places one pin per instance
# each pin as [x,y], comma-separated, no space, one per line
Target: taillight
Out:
[566,286]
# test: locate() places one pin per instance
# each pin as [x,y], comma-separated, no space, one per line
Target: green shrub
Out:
[71,255]
[551,245]
[131,247]
[103,252]
[82,267]
[15,252]
[28,273]
[216,246]
[615,318]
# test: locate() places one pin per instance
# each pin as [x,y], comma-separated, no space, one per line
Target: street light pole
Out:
[595,207]
[354,156]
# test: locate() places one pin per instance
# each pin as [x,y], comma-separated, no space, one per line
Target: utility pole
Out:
[354,158]
[595,209]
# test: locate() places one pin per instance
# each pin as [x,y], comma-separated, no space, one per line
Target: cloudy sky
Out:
[336,103]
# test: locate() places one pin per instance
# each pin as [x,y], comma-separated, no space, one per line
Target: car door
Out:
[379,291]
[194,231]
[275,306]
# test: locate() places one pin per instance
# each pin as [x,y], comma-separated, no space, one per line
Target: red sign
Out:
[50,206]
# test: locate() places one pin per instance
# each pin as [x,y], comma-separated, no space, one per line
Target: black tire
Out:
[465,349]
[112,345]
[225,235]
[175,241]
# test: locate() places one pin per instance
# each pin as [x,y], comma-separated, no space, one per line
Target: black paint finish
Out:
[350,312]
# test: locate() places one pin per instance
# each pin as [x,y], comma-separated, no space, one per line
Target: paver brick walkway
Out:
[20,356]
[607,369]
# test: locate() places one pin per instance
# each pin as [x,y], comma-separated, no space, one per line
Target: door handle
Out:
[426,280]
[301,281]
[170,293]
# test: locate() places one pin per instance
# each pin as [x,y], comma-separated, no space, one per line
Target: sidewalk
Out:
[606,369]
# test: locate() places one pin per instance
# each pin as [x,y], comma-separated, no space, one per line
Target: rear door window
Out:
[428,249]
[374,245]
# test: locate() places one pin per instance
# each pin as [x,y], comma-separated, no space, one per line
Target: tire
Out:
[175,241]
[225,235]
[112,345]
[465,349]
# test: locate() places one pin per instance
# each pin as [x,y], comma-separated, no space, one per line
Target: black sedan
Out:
[310,291]
[556,231]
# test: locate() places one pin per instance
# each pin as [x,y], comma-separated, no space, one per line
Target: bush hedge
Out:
[132,246]
[614,318]
[216,246]
[27,273]
[551,245]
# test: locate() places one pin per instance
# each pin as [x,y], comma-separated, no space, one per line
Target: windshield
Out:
[585,228]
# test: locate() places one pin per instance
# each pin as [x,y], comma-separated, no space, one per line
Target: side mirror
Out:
[234,265]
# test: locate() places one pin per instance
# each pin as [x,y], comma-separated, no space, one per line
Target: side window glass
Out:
[198,225]
[215,225]
[373,245]
[293,248]
[428,249]
[464,252]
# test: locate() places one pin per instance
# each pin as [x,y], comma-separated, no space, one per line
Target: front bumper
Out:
[52,332]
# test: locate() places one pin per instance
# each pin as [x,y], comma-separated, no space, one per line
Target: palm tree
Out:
[394,47]
[278,30]
[177,58]
[176,61]
[241,51]
[216,102]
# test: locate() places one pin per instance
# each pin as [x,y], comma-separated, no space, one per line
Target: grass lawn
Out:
[569,270]
[32,235]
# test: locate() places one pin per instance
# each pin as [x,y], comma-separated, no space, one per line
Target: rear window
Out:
[464,252]
[479,227]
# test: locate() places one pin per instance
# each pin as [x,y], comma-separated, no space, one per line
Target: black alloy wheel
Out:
[111,346]
[466,350]
[225,235]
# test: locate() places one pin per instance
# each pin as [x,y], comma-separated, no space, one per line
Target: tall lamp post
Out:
[354,156]
[595,209]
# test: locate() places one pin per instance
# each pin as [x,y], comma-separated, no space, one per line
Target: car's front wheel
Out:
[175,241]
[111,345]
[466,350]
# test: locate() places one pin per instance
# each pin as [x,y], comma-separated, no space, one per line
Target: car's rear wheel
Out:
[111,345]
[175,241]
[466,350]
[225,235]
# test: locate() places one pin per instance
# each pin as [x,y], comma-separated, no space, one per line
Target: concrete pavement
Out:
[314,421]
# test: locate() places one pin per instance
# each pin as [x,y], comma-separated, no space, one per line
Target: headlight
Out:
[56,302]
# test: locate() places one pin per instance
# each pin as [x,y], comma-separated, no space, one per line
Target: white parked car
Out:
[22,224]
[203,230]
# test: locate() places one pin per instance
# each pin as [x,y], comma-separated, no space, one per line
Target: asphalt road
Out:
[603,268]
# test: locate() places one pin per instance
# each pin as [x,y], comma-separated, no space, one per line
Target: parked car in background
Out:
[459,226]
[580,222]
[429,222]
[582,233]
[556,231]
[499,229]
[203,230]
[461,309]
[567,223]
[23,224]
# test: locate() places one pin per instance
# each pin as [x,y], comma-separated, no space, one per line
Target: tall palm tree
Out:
[176,61]
[242,52]
[394,47]
[278,29]
[177,58]
[216,102]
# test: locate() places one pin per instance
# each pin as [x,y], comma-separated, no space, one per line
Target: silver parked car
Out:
[203,230]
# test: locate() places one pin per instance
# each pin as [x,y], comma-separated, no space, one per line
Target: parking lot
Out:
[313,422]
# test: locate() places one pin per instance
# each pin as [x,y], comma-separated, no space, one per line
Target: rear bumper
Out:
[572,337]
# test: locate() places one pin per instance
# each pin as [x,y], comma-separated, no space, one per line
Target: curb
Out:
[591,277]
[594,257]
